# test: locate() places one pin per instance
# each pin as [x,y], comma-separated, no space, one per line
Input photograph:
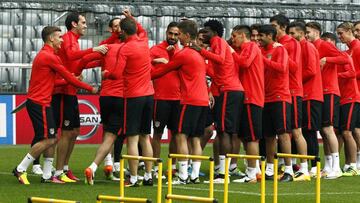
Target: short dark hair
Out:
[112,21]
[329,35]
[314,25]
[128,25]
[215,26]
[202,30]
[268,29]
[281,20]
[297,25]
[172,24]
[255,27]
[188,27]
[47,31]
[243,29]
[71,17]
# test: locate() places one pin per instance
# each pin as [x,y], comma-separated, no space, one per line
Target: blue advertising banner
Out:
[7,123]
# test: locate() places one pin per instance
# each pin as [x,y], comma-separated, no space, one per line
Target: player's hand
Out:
[170,48]
[195,46]
[103,74]
[80,77]
[160,60]
[211,100]
[322,62]
[231,49]
[101,49]
[127,12]
[94,90]
[277,44]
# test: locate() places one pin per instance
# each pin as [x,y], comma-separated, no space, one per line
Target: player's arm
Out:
[348,73]
[218,54]
[56,65]
[141,32]
[162,69]
[310,69]
[246,57]
[60,82]
[278,62]
[117,71]
[333,55]
[89,61]
[112,39]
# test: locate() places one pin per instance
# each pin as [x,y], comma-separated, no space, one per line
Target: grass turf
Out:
[340,190]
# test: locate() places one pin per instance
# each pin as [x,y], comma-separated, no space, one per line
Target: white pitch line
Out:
[230,191]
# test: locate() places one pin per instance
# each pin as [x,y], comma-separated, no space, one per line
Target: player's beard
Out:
[171,41]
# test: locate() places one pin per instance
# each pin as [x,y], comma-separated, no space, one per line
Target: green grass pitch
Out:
[340,190]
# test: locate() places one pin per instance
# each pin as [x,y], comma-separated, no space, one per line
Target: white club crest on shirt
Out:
[66,122]
[52,131]
[157,124]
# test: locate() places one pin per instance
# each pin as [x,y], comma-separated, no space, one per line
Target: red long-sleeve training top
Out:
[166,87]
[311,73]
[192,71]
[134,59]
[70,55]
[113,39]
[293,48]
[354,52]
[276,74]
[43,73]
[347,84]
[224,66]
[329,72]
[251,70]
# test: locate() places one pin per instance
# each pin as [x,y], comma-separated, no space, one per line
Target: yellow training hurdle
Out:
[169,197]
[240,156]
[49,200]
[122,197]
[318,166]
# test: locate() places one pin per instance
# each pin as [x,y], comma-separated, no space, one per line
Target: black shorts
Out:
[137,115]
[296,112]
[312,113]
[348,116]
[276,118]
[251,123]
[331,111]
[66,111]
[231,103]
[209,117]
[166,113]
[42,119]
[112,114]
[192,120]
[216,111]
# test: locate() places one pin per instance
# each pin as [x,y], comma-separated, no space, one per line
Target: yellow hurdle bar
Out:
[141,158]
[188,156]
[318,176]
[191,198]
[169,197]
[49,200]
[123,199]
[242,156]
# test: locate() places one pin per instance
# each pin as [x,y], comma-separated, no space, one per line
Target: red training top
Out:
[354,52]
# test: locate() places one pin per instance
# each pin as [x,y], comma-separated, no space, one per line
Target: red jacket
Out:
[311,73]
[168,86]
[134,60]
[113,39]
[276,74]
[354,52]
[192,71]
[293,48]
[70,55]
[347,84]
[251,70]
[45,66]
[224,66]
[214,88]
[329,72]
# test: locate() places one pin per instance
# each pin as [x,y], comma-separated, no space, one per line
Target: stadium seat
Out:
[47,18]
[38,29]
[5,18]
[146,22]
[169,10]
[31,55]
[10,79]
[5,44]
[7,31]
[85,43]
[146,10]
[17,44]
[15,57]
[165,20]
[37,44]
[29,31]
[31,17]
[2,57]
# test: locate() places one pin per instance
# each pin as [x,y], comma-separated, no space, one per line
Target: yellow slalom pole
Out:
[276,162]
[211,179]
[168,200]
[262,190]
[122,178]
[226,182]
[300,156]
[189,156]
[318,166]
[40,200]
[159,187]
